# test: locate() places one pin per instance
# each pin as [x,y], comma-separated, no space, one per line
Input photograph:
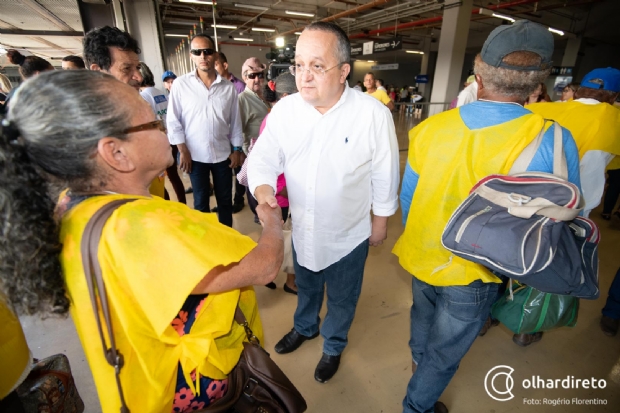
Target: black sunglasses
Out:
[198,52]
[253,76]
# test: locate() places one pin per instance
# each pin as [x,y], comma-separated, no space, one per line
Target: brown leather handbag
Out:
[255,385]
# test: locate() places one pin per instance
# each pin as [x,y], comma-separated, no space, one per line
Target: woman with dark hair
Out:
[29,66]
[72,63]
[174,276]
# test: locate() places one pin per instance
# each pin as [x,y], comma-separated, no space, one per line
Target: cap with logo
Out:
[168,74]
[603,79]
[521,36]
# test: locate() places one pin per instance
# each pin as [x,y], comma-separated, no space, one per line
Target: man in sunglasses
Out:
[203,121]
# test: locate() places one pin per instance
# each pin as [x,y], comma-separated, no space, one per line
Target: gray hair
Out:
[343,45]
[61,115]
[285,83]
[517,84]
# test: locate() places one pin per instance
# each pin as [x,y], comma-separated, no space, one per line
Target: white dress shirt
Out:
[468,95]
[336,166]
[206,120]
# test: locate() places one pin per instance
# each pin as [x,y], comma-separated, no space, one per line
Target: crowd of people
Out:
[304,146]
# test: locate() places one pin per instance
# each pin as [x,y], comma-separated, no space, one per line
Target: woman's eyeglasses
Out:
[253,76]
[198,52]
[156,124]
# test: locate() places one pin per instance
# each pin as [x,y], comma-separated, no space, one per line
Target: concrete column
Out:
[424,88]
[143,24]
[452,44]
[571,51]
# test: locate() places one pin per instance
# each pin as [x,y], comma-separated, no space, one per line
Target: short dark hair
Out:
[204,36]
[371,74]
[380,82]
[343,51]
[98,41]
[222,57]
[76,60]
[28,65]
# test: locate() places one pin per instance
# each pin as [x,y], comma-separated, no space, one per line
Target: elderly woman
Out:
[174,276]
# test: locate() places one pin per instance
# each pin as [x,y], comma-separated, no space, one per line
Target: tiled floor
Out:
[376,365]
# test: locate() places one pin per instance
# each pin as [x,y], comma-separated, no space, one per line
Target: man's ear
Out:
[225,64]
[112,151]
[95,66]
[344,72]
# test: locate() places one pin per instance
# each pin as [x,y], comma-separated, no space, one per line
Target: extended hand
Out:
[236,159]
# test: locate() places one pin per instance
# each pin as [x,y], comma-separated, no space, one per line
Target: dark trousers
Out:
[613,191]
[612,306]
[222,187]
[239,189]
[11,404]
[175,179]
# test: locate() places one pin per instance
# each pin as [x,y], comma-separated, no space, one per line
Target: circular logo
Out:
[505,387]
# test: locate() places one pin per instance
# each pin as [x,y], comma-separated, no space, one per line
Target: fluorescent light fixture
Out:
[2,50]
[298,33]
[371,61]
[183,23]
[224,26]
[251,6]
[503,17]
[347,19]
[175,35]
[243,39]
[556,31]
[262,29]
[208,3]
[279,41]
[299,13]
[414,51]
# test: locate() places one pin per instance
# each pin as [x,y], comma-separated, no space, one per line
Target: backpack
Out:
[526,226]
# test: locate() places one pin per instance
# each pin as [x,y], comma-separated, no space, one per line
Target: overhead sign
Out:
[561,70]
[380,46]
[390,66]
[421,78]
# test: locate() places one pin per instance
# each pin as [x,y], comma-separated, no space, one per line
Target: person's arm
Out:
[390,105]
[176,131]
[259,267]
[236,131]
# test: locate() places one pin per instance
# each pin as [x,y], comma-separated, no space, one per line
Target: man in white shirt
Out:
[338,151]
[203,121]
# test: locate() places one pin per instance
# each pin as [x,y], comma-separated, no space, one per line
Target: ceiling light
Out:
[298,33]
[224,26]
[414,51]
[251,6]
[298,13]
[279,41]
[262,29]
[183,23]
[175,35]
[347,19]
[503,17]
[556,31]
[208,3]
[243,39]
[370,61]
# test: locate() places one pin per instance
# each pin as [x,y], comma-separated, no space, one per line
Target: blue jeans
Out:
[445,321]
[344,284]
[222,187]
[612,306]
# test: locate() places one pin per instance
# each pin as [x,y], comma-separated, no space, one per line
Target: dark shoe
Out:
[189,190]
[609,326]
[606,217]
[525,340]
[256,220]
[488,324]
[440,408]
[214,209]
[289,289]
[292,341]
[238,206]
[327,367]
[271,286]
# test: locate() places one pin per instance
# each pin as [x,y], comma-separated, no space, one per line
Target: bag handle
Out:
[92,270]
[240,319]
[559,159]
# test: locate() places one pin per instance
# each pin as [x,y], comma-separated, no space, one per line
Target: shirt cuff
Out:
[176,140]
[385,209]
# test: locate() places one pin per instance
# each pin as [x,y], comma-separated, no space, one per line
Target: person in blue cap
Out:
[167,78]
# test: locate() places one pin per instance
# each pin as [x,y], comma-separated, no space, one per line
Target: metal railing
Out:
[422,110]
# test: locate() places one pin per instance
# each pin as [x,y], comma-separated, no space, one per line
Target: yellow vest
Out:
[14,352]
[153,253]
[594,127]
[450,159]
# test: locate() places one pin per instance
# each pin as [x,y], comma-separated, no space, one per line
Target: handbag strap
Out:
[240,319]
[559,159]
[92,270]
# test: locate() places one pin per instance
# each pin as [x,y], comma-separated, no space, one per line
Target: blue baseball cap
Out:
[603,79]
[521,36]
[167,74]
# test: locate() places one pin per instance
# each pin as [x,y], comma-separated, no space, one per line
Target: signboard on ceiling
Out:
[390,66]
[561,70]
[421,79]
[381,46]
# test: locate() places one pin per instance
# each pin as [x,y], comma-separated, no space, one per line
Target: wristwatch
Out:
[237,149]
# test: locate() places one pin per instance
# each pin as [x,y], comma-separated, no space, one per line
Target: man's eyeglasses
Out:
[198,52]
[316,70]
[253,76]
[156,124]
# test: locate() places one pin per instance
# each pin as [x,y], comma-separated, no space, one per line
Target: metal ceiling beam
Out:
[46,14]
[52,45]
[40,33]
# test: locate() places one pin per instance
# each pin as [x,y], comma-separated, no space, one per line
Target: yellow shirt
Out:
[14,352]
[153,253]
[450,159]
[381,96]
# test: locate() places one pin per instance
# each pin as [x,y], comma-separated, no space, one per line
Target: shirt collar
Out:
[218,78]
